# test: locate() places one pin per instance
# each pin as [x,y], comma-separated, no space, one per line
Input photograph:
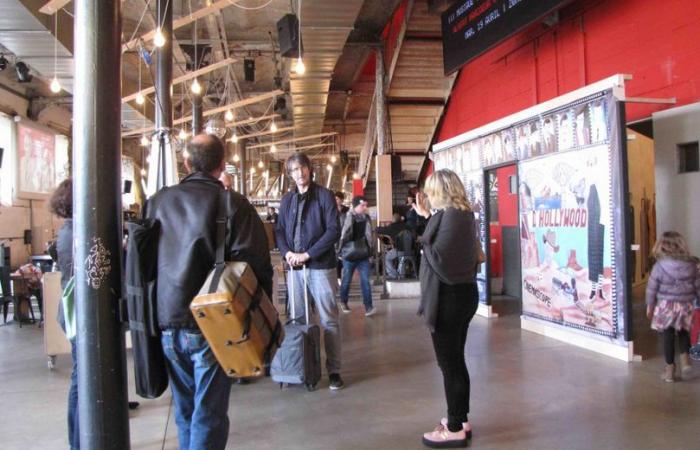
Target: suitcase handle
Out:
[306,294]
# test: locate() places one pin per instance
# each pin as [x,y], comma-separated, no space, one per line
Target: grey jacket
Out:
[674,280]
[346,233]
[449,257]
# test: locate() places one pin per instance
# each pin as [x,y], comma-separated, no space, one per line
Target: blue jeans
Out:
[364,268]
[200,389]
[73,430]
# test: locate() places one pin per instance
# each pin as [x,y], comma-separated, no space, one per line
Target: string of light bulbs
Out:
[55,85]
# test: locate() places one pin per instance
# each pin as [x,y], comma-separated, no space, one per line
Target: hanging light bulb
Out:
[158,38]
[329,167]
[333,159]
[273,148]
[183,134]
[300,68]
[144,141]
[261,164]
[236,158]
[143,172]
[252,170]
[196,87]
[234,138]
[55,86]
[355,176]
[140,99]
[228,116]
[273,126]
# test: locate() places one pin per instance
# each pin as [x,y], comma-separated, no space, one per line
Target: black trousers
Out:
[456,308]
[670,343]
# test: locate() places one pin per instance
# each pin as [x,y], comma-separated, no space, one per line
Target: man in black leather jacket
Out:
[186,253]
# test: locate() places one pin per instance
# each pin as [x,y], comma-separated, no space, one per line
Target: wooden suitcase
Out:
[236,305]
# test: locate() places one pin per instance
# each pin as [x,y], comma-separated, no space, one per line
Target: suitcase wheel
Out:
[200,314]
[227,311]
[281,386]
[311,387]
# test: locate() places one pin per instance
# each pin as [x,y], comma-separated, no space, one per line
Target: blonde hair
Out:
[671,245]
[445,189]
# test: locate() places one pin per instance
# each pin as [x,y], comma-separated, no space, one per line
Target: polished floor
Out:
[529,392]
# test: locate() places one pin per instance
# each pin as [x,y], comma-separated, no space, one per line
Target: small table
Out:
[21,292]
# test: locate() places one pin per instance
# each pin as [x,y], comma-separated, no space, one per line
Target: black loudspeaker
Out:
[27,237]
[288,36]
[2,150]
[396,173]
[127,186]
[344,160]
[249,69]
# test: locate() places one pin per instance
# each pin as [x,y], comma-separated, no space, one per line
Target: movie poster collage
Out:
[565,209]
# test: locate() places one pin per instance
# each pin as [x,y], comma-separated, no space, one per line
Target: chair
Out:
[7,297]
[405,244]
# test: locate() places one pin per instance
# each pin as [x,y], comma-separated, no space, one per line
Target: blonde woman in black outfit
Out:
[449,297]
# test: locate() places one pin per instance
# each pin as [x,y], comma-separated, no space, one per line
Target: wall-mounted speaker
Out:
[396,172]
[2,150]
[249,69]
[288,36]
[127,186]
[27,237]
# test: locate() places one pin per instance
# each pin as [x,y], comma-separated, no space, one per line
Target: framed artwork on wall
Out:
[36,160]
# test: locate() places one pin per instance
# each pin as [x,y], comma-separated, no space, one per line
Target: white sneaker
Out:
[344,307]
[371,311]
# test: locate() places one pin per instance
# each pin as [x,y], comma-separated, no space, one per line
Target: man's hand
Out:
[650,312]
[296,259]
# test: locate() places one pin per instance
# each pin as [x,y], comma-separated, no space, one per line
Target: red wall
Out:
[658,42]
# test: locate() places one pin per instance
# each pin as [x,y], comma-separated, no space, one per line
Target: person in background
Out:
[307,232]
[61,204]
[449,296]
[272,215]
[187,213]
[673,286]
[357,227]
[227,180]
[342,212]
[411,214]
[392,230]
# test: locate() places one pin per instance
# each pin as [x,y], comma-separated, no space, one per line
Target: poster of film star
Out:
[565,238]
[499,147]
[474,186]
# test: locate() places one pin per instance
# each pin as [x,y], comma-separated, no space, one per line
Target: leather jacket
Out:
[187,245]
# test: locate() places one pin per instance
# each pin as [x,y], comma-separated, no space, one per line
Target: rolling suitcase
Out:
[298,360]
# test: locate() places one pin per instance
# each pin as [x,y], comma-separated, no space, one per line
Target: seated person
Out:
[393,230]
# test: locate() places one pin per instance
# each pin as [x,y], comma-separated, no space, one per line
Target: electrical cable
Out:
[250,8]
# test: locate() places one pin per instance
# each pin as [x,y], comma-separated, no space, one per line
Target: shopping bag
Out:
[68,300]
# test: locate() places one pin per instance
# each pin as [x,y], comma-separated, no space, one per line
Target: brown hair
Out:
[671,245]
[61,201]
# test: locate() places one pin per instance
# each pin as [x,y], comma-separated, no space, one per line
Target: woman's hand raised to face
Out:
[421,205]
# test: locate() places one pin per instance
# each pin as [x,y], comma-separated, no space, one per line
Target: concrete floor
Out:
[529,392]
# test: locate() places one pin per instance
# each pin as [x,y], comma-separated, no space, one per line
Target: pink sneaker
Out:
[445,439]
[466,426]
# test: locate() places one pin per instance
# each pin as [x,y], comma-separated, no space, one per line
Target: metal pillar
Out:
[163,167]
[97,209]
[164,67]
[243,165]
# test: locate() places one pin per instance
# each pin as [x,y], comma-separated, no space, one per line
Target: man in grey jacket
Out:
[355,251]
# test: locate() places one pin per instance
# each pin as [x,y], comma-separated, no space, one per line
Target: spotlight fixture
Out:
[3,62]
[249,69]
[273,126]
[140,99]
[158,38]
[23,75]
[229,115]
[196,87]
[144,141]
[55,86]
